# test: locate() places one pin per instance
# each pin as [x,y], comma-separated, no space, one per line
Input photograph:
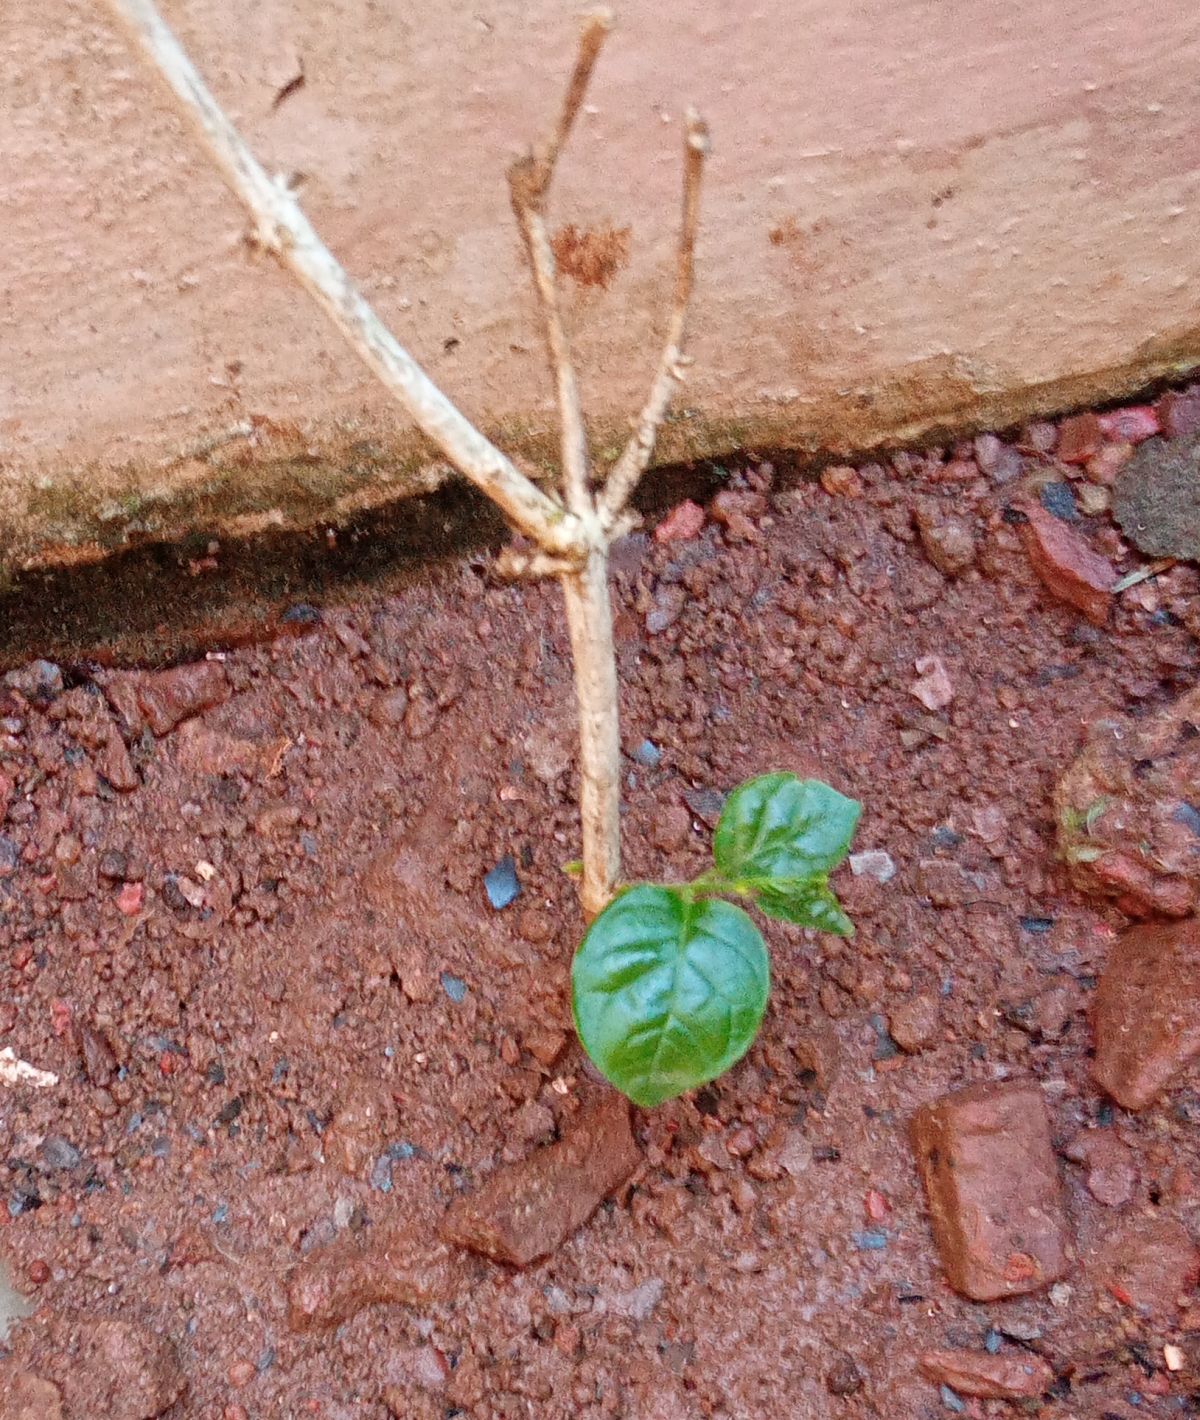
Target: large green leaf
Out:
[783,828]
[668,991]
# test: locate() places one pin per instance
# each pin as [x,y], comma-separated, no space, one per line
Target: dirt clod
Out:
[115,1369]
[24,1396]
[1149,1264]
[913,1024]
[163,699]
[1123,810]
[1147,1011]
[400,1266]
[1156,498]
[526,1210]
[1112,1175]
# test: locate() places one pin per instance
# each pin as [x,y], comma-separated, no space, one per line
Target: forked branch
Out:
[571,541]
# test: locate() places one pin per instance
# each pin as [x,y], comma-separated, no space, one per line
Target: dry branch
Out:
[529,181]
[635,458]
[571,541]
[282,228]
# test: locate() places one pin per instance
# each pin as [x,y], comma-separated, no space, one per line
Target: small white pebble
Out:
[874,863]
[1060,1294]
[1174,1357]
[935,689]
[205,870]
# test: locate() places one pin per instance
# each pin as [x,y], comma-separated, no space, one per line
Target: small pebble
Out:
[1094,500]
[682,523]
[706,804]
[841,481]
[501,884]
[648,755]
[130,898]
[873,863]
[951,1400]
[1131,425]
[454,987]
[40,680]
[934,689]
[241,1373]
[113,865]
[843,1376]
[870,1240]
[59,1153]
[1059,499]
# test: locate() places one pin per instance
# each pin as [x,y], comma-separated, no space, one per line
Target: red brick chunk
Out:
[992,1184]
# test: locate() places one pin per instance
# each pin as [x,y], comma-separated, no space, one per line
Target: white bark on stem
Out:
[529,181]
[635,459]
[573,443]
[572,541]
[282,227]
[589,617]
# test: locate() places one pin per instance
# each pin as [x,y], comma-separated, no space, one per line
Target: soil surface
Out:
[244,923]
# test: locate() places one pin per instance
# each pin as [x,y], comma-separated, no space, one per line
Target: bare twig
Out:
[572,435]
[570,542]
[1143,574]
[595,31]
[529,181]
[282,228]
[635,458]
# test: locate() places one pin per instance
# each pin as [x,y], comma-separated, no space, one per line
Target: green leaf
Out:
[668,991]
[783,828]
[807,901]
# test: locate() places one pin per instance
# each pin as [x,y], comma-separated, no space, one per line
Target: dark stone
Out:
[1156,498]
[1059,499]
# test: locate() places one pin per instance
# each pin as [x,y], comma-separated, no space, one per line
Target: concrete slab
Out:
[918,217]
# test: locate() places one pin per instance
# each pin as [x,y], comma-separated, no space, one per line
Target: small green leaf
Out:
[668,991]
[781,827]
[807,901]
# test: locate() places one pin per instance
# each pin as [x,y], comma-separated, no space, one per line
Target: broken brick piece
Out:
[991,1180]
